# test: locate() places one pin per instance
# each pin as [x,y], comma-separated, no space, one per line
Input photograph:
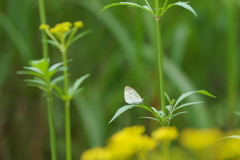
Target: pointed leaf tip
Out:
[206,93]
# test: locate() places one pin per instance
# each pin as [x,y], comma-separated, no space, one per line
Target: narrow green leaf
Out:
[146,8]
[184,95]
[206,93]
[78,82]
[78,37]
[233,136]
[36,81]
[186,104]
[55,66]
[34,69]
[30,73]
[149,118]
[38,86]
[174,115]
[57,80]
[121,110]
[184,5]
[53,43]
[77,91]
[166,95]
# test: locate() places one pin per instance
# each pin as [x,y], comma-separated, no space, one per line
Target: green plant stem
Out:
[68,130]
[52,127]
[166,149]
[157,9]
[165,4]
[232,72]
[49,98]
[43,21]
[67,107]
[160,67]
[65,72]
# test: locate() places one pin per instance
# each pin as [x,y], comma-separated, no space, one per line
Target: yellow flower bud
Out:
[43,26]
[78,24]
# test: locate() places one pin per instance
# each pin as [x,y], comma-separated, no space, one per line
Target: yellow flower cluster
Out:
[61,28]
[130,141]
[165,133]
[122,145]
[203,142]
[96,153]
[198,139]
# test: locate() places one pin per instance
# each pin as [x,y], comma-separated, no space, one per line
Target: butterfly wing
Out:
[131,96]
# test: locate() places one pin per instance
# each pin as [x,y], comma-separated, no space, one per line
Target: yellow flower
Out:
[123,145]
[165,133]
[43,26]
[96,153]
[198,139]
[130,141]
[61,28]
[78,24]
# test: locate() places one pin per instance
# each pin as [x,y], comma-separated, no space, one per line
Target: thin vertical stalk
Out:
[166,149]
[232,72]
[160,67]
[68,130]
[49,96]
[65,72]
[51,127]
[160,70]
[43,21]
[67,107]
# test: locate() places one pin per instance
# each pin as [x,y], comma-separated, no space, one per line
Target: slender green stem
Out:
[67,107]
[166,149]
[148,5]
[157,8]
[43,21]
[232,72]
[68,130]
[49,98]
[160,67]
[52,127]
[65,72]
[165,4]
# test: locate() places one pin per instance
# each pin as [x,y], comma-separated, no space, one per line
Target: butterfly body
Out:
[131,96]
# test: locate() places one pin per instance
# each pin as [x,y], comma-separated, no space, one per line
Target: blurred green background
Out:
[199,53]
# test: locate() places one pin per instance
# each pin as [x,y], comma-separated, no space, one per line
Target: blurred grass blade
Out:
[16,37]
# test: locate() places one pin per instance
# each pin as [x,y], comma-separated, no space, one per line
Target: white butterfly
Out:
[131,96]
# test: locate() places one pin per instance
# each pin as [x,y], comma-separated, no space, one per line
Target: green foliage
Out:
[74,89]
[184,5]
[148,8]
[172,108]
[43,74]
